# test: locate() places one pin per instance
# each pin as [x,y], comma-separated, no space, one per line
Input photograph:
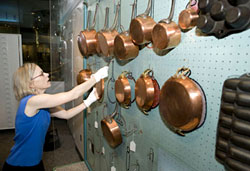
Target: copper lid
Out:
[83,76]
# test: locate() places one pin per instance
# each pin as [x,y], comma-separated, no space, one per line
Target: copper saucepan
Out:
[111,130]
[85,75]
[106,38]
[141,27]
[182,103]
[188,17]
[147,91]
[123,89]
[125,49]
[98,49]
[86,39]
[166,34]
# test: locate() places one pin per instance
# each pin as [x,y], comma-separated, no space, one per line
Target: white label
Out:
[113,168]
[132,146]
[103,150]
[96,124]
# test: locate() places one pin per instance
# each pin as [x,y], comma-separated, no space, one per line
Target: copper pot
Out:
[166,34]
[188,17]
[106,38]
[141,27]
[123,89]
[125,49]
[111,130]
[182,103]
[86,39]
[147,91]
[85,75]
[98,48]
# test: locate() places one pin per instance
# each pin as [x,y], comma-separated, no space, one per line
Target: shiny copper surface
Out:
[106,42]
[87,42]
[188,19]
[166,36]
[144,92]
[181,104]
[125,49]
[123,90]
[111,132]
[83,76]
[156,94]
[100,89]
[141,28]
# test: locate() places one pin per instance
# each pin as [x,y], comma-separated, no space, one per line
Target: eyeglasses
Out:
[42,74]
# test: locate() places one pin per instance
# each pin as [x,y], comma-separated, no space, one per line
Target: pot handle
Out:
[185,73]
[171,14]
[147,72]
[94,19]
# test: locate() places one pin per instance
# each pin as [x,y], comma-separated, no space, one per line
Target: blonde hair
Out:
[22,79]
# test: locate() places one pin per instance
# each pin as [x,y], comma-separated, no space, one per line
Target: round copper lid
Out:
[123,90]
[111,132]
[181,103]
[188,19]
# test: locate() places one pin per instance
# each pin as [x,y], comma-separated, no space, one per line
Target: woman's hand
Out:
[93,96]
[101,73]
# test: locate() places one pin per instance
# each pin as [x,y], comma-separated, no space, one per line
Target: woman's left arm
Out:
[61,113]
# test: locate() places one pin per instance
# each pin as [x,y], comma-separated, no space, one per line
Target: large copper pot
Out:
[141,27]
[123,89]
[85,75]
[188,17]
[166,34]
[111,130]
[147,91]
[106,38]
[86,39]
[182,103]
[125,49]
[98,48]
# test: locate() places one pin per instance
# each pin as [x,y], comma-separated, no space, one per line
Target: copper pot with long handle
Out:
[146,91]
[123,89]
[86,39]
[125,49]
[111,130]
[166,34]
[188,17]
[182,103]
[141,27]
[105,27]
[106,38]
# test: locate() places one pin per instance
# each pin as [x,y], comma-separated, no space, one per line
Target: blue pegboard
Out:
[211,62]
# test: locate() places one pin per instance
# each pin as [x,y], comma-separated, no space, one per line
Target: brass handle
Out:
[185,72]
[147,71]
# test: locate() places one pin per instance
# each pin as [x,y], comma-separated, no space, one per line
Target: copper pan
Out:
[111,130]
[146,91]
[182,103]
[98,49]
[125,49]
[123,89]
[188,17]
[166,34]
[85,75]
[86,39]
[106,38]
[141,27]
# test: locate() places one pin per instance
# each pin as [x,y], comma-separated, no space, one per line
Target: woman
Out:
[35,109]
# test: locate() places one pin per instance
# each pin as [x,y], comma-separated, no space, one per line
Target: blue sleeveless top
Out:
[30,136]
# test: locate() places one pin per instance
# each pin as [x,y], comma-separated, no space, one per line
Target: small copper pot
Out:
[106,38]
[123,89]
[86,39]
[98,48]
[182,103]
[188,17]
[166,34]
[141,27]
[147,91]
[111,130]
[85,75]
[125,49]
